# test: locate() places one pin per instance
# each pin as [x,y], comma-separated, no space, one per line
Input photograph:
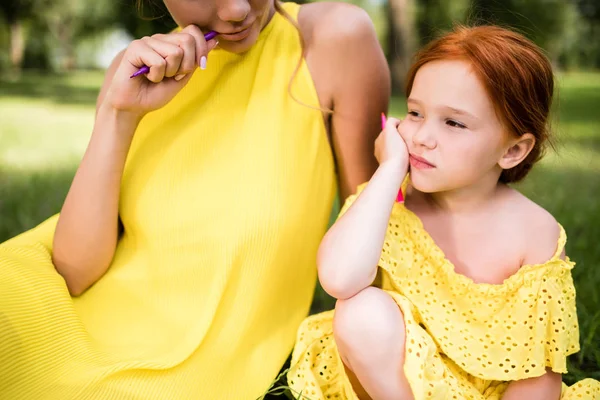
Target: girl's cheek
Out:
[406,128]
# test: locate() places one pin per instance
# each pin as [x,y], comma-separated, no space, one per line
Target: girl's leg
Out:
[370,334]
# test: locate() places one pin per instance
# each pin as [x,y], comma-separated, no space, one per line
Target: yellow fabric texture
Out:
[464,340]
[226,195]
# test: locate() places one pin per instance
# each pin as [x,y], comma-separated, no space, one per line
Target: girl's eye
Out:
[414,114]
[455,124]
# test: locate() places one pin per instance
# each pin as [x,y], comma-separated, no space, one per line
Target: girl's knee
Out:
[369,320]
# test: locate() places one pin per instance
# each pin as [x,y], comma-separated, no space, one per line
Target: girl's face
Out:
[239,22]
[454,137]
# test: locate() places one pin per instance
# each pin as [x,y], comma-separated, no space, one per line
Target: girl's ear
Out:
[518,149]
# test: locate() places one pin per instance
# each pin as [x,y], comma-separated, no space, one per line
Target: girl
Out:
[476,299]
[182,262]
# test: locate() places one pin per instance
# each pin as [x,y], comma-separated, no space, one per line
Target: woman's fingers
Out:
[187,43]
[171,52]
[200,44]
[181,53]
[141,53]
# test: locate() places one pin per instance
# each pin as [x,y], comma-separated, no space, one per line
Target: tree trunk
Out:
[61,29]
[17,45]
[402,40]
[65,39]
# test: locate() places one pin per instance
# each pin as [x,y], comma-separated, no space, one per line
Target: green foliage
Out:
[68,21]
[17,9]
[435,16]
[543,21]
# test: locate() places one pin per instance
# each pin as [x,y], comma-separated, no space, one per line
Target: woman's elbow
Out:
[76,290]
[74,280]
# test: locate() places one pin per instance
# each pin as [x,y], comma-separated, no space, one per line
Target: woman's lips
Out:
[237,36]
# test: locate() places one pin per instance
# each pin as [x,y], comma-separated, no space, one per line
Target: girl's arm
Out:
[349,68]
[545,387]
[350,251]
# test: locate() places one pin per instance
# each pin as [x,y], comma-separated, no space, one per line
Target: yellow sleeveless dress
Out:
[226,195]
[463,340]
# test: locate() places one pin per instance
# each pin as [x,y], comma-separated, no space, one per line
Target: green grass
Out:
[45,123]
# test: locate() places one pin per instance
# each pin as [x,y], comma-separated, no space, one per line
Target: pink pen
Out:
[144,70]
[399,197]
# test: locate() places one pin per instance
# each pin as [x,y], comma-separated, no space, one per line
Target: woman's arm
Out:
[88,227]
[87,230]
[353,78]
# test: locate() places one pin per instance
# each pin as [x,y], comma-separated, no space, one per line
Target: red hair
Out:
[516,74]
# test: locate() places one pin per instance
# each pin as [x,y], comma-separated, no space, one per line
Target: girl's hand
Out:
[390,147]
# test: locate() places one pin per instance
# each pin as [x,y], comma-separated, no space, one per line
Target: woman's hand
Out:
[172,58]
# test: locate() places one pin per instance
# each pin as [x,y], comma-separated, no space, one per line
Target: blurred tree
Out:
[587,52]
[543,21]
[555,25]
[411,24]
[71,20]
[402,39]
[563,27]
[590,9]
[15,13]
[435,16]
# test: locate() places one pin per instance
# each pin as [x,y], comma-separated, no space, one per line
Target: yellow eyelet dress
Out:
[463,340]
[226,195]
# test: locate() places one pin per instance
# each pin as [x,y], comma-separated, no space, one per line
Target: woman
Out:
[183,259]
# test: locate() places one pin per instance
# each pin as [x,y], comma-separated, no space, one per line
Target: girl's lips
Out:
[419,162]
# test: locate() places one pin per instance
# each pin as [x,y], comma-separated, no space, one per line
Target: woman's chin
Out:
[240,46]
